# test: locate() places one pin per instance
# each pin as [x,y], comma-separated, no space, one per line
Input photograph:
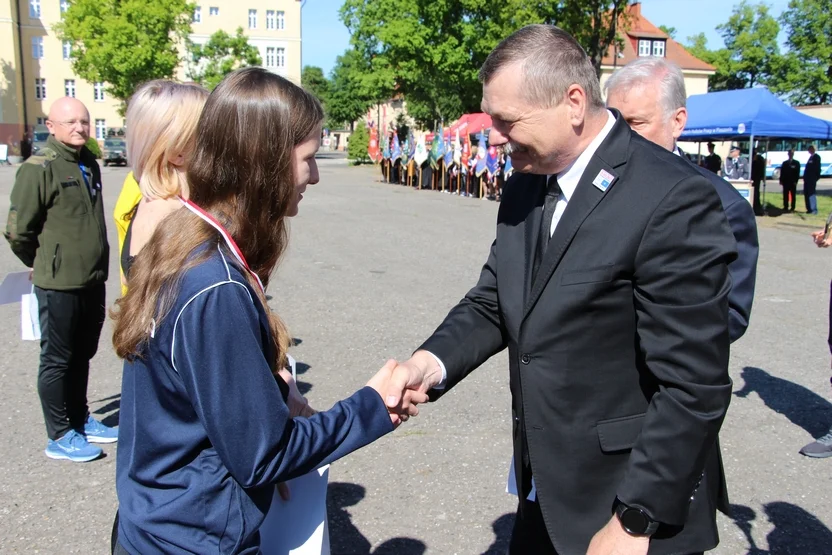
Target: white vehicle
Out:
[779,154]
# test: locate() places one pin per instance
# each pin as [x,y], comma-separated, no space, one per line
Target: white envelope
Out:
[29,317]
[298,526]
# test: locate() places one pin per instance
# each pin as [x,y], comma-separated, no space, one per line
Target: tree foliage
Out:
[669,31]
[353,88]
[359,143]
[805,72]
[124,43]
[431,50]
[751,55]
[209,63]
[312,79]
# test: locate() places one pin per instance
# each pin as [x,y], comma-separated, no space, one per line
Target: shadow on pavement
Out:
[801,406]
[114,406]
[796,531]
[502,535]
[346,539]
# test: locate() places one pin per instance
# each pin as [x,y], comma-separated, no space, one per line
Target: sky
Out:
[325,37]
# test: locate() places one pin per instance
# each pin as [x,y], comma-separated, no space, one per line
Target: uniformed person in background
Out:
[56,226]
[736,165]
[789,174]
[713,161]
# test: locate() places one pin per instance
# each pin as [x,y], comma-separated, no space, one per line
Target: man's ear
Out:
[678,121]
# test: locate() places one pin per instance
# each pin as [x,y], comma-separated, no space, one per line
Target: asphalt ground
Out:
[371,270]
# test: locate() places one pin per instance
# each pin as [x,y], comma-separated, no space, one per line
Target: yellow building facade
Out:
[36,70]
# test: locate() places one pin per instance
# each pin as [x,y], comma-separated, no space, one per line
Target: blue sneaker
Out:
[97,432]
[72,447]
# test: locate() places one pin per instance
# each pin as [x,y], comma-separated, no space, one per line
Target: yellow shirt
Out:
[128,198]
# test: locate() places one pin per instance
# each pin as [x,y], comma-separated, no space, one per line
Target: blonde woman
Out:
[161,122]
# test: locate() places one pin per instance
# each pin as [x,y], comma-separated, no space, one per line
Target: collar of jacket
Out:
[68,153]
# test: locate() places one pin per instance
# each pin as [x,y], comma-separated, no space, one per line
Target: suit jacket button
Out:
[525,359]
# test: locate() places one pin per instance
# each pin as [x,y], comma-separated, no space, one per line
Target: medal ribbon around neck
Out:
[235,250]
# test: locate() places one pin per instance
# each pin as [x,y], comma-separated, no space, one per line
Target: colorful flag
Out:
[421,152]
[466,152]
[386,153]
[457,150]
[436,150]
[396,153]
[482,146]
[449,152]
[411,141]
[492,162]
[508,169]
[372,149]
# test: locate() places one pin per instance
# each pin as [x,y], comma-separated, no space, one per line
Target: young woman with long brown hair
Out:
[205,432]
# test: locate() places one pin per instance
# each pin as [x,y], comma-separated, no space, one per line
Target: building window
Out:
[67,46]
[34,8]
[41,121]
[213,11]
[197,15]
[252,19]
[40,89]
[281,57]
[98,90]
[281,20]
[270,56]
[658,48]
[643,47]
[69,87]
[64,6]
[37,48]
[270,20]
[100,129]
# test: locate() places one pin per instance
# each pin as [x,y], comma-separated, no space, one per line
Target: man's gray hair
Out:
[552,62]
[647,71]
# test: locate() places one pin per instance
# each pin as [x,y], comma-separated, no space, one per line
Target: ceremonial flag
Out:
[436,150]
[372,149]
[386,153]
[466,152]
[457,150]
[397,148]
[492,162]
[411,141]
[508,169]
[421,152]
[482,145]
[449,153]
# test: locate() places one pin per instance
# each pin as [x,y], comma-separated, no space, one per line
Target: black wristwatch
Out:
[635,521]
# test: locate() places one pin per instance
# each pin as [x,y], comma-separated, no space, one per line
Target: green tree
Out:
[723,79]
[750,37]
[359,143]
[805,73]
[353,88]
[209,63]
[669,31]
[312,79]
[433,49]
[124,43]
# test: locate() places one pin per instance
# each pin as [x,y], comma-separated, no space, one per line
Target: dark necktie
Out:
[549,204]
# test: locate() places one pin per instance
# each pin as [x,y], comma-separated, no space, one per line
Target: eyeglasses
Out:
[73,122]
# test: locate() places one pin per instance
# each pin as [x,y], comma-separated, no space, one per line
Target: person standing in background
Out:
[789,174]
[810,181]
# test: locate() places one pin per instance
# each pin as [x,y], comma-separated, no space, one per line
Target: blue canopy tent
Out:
[747,114]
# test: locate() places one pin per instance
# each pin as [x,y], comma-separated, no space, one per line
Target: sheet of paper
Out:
[298,526]
[14,286]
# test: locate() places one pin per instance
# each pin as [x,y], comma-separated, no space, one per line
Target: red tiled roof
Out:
[637,26]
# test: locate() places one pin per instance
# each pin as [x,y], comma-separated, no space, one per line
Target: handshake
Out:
[402,386]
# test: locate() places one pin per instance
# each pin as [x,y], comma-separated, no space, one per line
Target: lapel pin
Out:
[603,180]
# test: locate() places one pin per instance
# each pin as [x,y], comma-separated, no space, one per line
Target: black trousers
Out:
[70,323]
[789,189]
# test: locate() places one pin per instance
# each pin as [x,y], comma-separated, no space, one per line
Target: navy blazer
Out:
[743,270]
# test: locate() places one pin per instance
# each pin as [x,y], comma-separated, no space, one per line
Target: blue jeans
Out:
[809,188]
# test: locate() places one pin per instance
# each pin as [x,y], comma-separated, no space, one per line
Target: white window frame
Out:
[66,47]
[271,56]
[100,129]
[197,14]
[34,8]
[98,92]
[644,47]
[659,48]
[64,6]
[281,57]
[40,88]
[281,20]
[37,48]
[213,11]
[252,19]
[271,20]
[69,88]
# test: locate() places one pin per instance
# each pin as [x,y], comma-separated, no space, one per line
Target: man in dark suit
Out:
[810,181]
[608,283]
[650,94]
[789,174]
[713,161]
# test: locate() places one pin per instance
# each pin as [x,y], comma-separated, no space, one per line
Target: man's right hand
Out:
[821,240]
[419,374]
[386,381]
